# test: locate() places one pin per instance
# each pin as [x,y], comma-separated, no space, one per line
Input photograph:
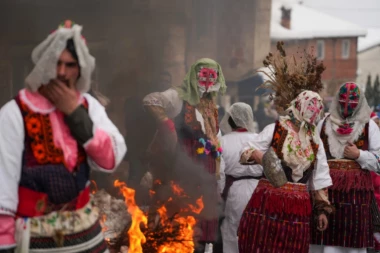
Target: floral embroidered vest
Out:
[189,131]
[44,176]
[187,125]
[277,144]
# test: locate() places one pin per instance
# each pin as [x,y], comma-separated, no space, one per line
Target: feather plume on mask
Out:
[289,76]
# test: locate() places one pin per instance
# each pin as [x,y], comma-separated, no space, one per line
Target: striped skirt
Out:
[276,220]
[351,224]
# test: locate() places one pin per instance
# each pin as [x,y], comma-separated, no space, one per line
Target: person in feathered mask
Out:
[51,135]
[352,145]
[277,217]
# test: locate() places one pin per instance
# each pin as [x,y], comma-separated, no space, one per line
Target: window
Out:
[345,49]
[320,49]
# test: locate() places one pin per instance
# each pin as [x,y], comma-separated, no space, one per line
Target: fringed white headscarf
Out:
[305,113]
[298,152]
[241,114]
[45,57]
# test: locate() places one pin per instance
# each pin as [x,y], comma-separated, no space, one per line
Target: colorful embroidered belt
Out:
[294,187]
[344,165]
[61,231]
[33,203]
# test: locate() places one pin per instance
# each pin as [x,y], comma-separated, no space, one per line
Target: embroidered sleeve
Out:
[106,148]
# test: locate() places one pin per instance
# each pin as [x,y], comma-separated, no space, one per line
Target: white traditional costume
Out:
[240,180]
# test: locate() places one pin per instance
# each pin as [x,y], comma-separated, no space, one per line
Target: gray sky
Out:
[365,13]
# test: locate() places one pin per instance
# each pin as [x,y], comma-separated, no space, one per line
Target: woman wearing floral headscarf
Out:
[277,217]
[187,118]
[352,145]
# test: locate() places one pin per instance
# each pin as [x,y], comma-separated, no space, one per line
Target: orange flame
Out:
[95,187]
[136,237]
[103,223]
[200,205]
[176,189]
[182,243]
[151,193]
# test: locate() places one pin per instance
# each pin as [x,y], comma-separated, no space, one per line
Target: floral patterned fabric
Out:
[64,231]
[307,108]
[67,222]
[297,149]
[349,94]
[287,145]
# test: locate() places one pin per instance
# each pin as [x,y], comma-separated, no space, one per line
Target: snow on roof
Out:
[307,23]
[372,39]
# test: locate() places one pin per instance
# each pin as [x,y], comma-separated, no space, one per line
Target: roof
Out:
[308,23]
[371,40]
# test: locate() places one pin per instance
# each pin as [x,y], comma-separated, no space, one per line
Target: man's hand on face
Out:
[351,151]
[59,94]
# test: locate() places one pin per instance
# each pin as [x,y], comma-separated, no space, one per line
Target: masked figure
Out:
[187,119]
[352,146]
[277,216]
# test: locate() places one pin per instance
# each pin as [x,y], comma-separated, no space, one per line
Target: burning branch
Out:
[172,234]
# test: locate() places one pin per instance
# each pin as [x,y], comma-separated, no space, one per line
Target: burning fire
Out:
[136,237]
[103,223]
[181,226]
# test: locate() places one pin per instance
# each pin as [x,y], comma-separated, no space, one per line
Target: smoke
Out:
[140,47]
[192,176]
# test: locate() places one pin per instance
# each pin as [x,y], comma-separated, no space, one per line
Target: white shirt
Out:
[367,159]
[320,177]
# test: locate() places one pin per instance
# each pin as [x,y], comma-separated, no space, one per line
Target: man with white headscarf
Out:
[51,134]
[352,146]
[238,127]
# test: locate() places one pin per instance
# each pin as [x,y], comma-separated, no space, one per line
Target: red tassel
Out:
[288,199]
[346,180]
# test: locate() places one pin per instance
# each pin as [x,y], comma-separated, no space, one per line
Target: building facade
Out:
[140,46]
